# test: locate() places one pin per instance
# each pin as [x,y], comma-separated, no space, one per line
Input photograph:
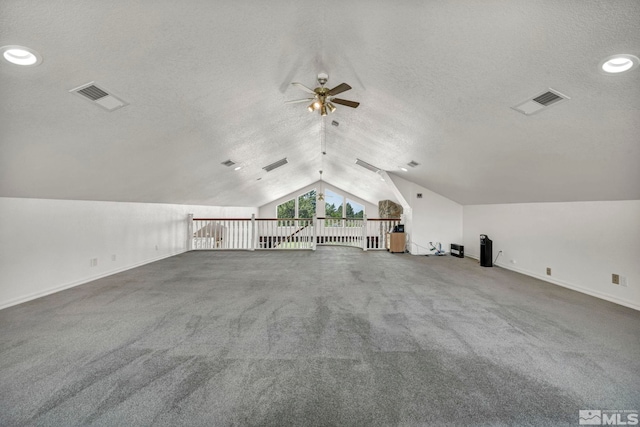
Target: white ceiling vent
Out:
[540,102]
[413,164]
[277,164]
[97,95]
[367,166]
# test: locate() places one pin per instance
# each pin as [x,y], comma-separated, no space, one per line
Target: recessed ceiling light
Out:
[404,169]
[617,64]
[21,55]
[237,168]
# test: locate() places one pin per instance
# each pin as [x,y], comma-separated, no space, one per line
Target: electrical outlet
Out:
[93,262]
[113,257]
[615,279]
[623,281]
[156,247]
[548,271]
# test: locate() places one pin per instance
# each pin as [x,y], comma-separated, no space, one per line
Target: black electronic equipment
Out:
[398,228]
[457,250]
[486,251]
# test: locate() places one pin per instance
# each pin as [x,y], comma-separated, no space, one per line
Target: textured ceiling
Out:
[206,82]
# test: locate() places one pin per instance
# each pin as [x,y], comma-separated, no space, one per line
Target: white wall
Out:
[270,209]
[582,242]
[46,245]
[434,218]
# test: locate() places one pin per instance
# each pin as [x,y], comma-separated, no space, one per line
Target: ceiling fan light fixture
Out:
[323,100]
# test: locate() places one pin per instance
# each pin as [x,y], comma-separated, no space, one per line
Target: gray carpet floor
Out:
[332,337]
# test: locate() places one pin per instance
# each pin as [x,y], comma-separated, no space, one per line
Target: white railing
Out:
[340,231]
[294,233]
[290,233]
[222,233]
[377,229]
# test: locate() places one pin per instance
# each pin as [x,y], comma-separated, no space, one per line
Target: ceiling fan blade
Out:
[351,104]
[295,101]
[303,87]
[342,87]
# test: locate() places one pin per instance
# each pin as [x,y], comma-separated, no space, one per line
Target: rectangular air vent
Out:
[540,102]
[99,96]
[228,163]
[277,164]
[367,166]
[93,92]
[413,164]
[547,98]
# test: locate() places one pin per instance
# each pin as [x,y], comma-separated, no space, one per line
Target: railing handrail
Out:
[368,219]
[222,219]
[289,219]
[333,217]
[284,219]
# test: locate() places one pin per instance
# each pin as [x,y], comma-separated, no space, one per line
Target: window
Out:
[304,208]
[286,210]
[307,205]
[354,209]
[333,209]
[333,204]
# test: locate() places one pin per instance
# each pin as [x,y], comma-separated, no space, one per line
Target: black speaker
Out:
[486,251]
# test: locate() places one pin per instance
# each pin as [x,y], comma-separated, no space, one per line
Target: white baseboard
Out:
[75,283]
[564,284]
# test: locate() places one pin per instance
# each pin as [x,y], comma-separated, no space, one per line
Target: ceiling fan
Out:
[323,99]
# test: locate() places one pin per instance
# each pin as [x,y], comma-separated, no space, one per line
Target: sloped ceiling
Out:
[207,81]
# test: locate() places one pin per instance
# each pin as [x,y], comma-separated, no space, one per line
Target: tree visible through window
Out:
[354,209]
[286,210]
[332,209]
[333,204]
[335,208]
[306,208]
[307,205]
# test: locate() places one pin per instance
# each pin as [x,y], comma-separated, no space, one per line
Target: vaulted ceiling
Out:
[207,81]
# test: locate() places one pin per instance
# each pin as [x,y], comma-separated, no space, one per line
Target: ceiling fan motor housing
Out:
[322,78]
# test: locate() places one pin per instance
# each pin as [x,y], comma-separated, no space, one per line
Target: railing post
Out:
[364,233]
[253,232]
[190,232]
[314,232]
